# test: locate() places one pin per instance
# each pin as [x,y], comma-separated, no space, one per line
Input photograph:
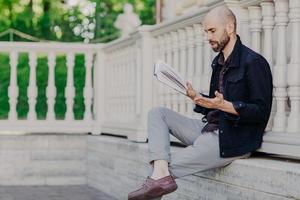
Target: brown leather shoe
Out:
[152,189]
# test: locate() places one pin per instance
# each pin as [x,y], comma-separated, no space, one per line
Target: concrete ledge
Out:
[118,166]
[43,160]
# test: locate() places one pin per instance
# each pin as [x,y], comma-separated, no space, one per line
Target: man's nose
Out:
[209,36]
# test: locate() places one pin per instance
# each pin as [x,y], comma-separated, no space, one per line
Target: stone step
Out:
[122,165]
[43,160]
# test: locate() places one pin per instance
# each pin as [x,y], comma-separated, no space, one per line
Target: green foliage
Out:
[108,10]
[42,82]
[54,20]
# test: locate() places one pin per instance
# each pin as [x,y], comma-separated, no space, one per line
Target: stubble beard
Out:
[222,44]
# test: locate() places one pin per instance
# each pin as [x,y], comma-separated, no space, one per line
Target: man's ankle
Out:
[158,174]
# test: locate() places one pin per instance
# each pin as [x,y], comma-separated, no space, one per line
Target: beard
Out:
[220,45]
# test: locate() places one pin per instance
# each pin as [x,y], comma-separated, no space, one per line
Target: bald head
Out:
[222,15]
[220,26]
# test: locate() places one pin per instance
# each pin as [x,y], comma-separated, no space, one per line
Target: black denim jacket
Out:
[248,85]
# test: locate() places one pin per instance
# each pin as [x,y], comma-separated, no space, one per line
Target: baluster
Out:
[268,25]
[294,69]
[51,89]
[13,90]
[175,49]
[169,91]
[199,55]
[207,67]
[199,58]
[182,66]
[280,71]
[126,85]
[255,27]
[88,90]
[32,88]
[155,82]
[70,90]
[190,64]
[132,80]
[161,88]
[138,77]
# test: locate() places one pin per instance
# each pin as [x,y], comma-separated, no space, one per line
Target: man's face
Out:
[216,34]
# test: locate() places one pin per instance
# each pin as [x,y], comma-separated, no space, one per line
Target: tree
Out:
[108,10]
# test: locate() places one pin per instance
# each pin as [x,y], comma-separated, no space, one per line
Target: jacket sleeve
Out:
[259,81]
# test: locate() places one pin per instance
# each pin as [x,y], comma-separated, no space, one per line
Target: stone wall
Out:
[43,160]
[118,166]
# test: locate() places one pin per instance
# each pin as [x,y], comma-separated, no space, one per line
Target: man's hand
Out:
[190,91]
[216,103]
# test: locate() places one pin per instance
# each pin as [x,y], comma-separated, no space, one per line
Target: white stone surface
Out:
[43,160]
[119,166]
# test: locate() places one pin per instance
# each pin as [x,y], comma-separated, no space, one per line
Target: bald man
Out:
[236,112]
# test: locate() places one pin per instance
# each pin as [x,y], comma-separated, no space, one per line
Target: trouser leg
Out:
[202,155]
[161,123]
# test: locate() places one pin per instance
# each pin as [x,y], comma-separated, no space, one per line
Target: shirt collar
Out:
[233,59]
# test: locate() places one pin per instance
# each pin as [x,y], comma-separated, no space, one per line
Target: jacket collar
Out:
[234,58]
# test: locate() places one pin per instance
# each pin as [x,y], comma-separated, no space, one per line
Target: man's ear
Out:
[230,28]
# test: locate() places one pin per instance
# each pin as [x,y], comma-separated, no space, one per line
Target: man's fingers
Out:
[218,94]
[189,85]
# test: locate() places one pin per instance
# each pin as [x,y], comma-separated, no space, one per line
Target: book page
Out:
[169,76]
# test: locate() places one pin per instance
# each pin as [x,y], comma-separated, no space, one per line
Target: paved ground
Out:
[51,193]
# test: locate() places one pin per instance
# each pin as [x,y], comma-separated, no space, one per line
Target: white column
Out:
[242,19]
[99,92]
[268,22]
[207,67]
[198,56]
[155,81]
[175,50]
[255,27]
[70,90]
[190,63]
[161,54]
[168,94]
[145,81]
[294,69]
[280,69]
[32,88]
[12,88]
[268,25]
[51,89]
[182,65]
[88,89]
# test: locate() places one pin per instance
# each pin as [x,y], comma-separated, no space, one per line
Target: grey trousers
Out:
[202,151]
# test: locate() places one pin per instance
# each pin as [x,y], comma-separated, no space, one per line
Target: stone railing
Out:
[124,88]
[268,27]
[50,124]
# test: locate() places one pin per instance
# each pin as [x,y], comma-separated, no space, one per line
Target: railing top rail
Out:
[180,22]
[47,47]
[118,43]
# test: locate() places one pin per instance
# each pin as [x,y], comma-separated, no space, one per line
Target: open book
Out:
[167,75]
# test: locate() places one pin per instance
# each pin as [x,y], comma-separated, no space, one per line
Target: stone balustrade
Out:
[50,124]
[268,27]
[123,88]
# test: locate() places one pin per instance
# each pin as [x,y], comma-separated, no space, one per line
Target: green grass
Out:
[42,81]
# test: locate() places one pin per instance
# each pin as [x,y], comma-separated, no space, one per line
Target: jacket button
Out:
[223,153]
[221,131]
